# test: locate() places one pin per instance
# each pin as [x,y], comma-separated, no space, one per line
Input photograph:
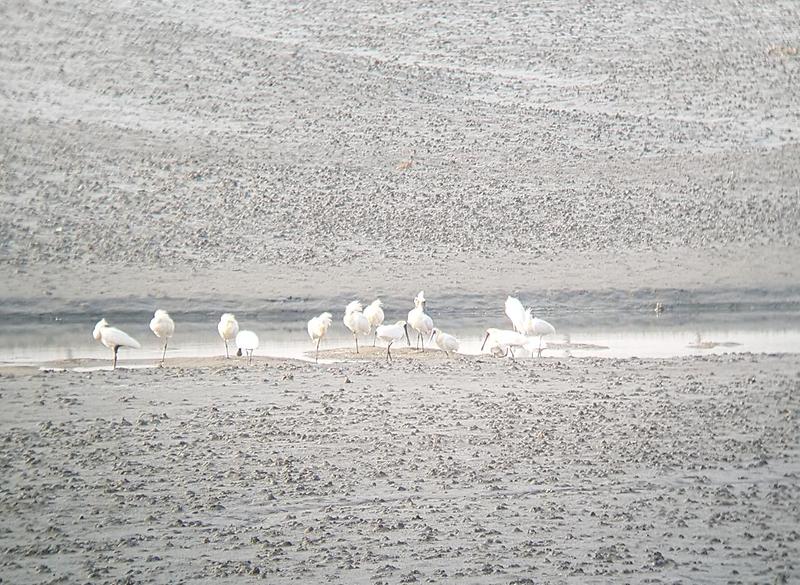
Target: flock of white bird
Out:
[361,322]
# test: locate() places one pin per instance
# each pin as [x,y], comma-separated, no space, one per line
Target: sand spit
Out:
[467,471]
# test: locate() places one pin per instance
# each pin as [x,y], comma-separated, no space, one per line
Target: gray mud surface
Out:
[143,141]
[468,471]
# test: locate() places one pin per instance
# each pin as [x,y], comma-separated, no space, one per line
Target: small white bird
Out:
[392,333]
[248,341]
[113,338]
[515,312]
[504,340]
[355,321]
[536,327]
[228,327]
[445,341]
[374,314]
[317,328]
[164,327]
[419,320]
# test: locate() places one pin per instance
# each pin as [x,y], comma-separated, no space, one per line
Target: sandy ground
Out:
[233,155]
[467,471]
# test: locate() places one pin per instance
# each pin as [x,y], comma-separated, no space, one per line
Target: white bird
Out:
[536,327]
[515,312]
[355,321]
[419,320]
[248,341]
[317,328]
[164,327]
[504,340]
[113,338]
[392,333]
[374,314]
[228,327]
[445,341]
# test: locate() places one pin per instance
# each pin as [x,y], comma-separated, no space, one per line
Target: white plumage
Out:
[317,328]
[113,338]
[392,333]
[163,327]
[419,320]
[374,314]
[445,341]
[248,341]
[355,321]
[536,327]
[504,340]
[515,312]
[228,328]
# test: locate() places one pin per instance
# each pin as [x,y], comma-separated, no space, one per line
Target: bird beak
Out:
[405,328]
[432,334]
[239,352]
[484,340]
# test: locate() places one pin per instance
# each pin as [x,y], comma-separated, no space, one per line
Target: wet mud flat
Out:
[470,470]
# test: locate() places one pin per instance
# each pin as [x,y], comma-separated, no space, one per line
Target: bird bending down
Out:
[113,339]
[228,328]
[419,320]
[516,313]
[536,327]
[504,340]
[163,327]
[247,341]
[445,341]
[317,328]
[392,333]
[355,321]
[374,314]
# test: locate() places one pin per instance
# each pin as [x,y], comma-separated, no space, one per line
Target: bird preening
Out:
[526,323]
[228,328]
[248,341]
[113,339]
[164,328]
[317,328]
[359,321]
[355,321]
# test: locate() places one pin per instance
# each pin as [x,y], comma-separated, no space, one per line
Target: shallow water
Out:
[580,333]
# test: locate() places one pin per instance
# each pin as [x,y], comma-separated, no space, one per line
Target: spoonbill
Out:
[505,338]
[248,341]
[536,327]
[113,338]
[445,341]
[374,314]
[515,312]
[355,321]
[228,327]
[392,333]
[419,320]
[164,327]
[317,328]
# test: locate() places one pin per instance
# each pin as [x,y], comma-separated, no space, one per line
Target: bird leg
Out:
[513,359]
[375,339]
[114,365]
[422,338]
[227,355]
[389,352]
[316,356]
[356,338]
[249,357]
[164,355]
[540,347]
